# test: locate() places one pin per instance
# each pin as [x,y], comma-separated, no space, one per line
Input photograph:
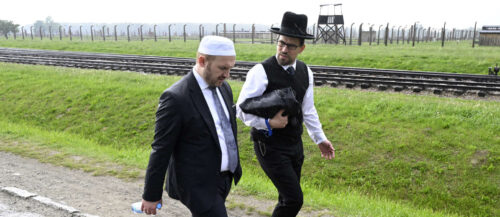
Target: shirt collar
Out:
[203,84]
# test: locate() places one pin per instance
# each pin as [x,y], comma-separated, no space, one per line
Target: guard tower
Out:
[331,27]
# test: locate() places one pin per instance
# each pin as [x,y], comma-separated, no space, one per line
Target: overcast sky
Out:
[433,13]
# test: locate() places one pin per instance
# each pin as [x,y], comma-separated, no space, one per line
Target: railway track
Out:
[397,80]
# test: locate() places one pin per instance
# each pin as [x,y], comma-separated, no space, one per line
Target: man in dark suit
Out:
[195,136]
[278,140]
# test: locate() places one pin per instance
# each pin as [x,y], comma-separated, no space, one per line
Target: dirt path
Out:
[102,196]
[96,195]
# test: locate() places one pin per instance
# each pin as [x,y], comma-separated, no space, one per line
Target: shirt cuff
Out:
[319,138]
[260,124]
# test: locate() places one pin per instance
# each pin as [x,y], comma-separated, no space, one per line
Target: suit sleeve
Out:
[167,131]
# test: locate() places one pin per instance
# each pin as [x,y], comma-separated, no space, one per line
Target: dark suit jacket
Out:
[186,143]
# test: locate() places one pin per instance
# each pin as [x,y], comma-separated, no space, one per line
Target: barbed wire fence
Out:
[369,34]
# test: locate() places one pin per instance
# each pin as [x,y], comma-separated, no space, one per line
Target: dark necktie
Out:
[228,132]
[291,70]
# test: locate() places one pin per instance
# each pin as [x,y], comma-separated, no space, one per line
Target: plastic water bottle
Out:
[136,207]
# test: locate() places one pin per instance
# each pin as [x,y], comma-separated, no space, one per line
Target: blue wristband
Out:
[269,130]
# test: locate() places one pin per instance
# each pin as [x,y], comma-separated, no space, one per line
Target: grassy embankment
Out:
[454,57]
[398,155]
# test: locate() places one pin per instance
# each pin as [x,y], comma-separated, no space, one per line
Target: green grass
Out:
[397,154]
[71,150]
[454,57]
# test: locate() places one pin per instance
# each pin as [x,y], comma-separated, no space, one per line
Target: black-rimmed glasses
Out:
[282,44]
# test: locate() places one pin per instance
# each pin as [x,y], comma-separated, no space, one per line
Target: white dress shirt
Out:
[255,85]
[207,93]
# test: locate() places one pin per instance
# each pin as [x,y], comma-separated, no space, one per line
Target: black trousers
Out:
[218,209]
[282,163]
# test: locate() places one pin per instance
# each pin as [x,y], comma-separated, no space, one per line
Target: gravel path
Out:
[95,195]
[11,206]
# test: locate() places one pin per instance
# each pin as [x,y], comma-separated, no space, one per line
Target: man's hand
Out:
[279,121]
[149,207]
[327,150]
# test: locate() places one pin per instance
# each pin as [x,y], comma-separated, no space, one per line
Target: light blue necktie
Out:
[228,132]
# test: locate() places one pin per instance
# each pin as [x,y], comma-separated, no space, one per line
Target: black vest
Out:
[279,78]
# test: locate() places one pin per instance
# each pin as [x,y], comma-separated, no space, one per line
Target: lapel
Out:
[201,105]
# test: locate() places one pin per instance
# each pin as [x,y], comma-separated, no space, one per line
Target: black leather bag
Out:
[269,104]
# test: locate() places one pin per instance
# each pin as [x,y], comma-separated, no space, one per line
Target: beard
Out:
[284,59]
[210,77]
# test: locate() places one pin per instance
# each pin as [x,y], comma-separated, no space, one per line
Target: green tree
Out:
[8,26]
[46,25]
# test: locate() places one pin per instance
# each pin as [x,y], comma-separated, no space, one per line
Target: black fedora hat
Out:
[293,25]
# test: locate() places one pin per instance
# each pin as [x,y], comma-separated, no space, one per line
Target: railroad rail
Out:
[380,79]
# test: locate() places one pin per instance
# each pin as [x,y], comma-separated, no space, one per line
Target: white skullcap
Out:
[216,46]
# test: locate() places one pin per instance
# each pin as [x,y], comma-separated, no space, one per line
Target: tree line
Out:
[8,26]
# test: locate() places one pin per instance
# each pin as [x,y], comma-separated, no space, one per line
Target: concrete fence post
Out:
[92,32]
[234,33]
[350,35]
[370,39]
[360,38]
[169,35]
[386,34]
[128,33]
[414,34]
[185,35]
[140,32]
[103,33]
[474,35]
[271,34]
[199,30]
[443,35]
[403,35]
[392,34]
[154,31]
[115,33]
[253,33]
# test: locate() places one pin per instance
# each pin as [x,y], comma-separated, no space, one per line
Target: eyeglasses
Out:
[282,44]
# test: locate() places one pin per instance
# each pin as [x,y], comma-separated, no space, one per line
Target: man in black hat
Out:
[277,141]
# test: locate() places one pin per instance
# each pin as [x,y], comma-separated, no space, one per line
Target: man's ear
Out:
[201,60]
